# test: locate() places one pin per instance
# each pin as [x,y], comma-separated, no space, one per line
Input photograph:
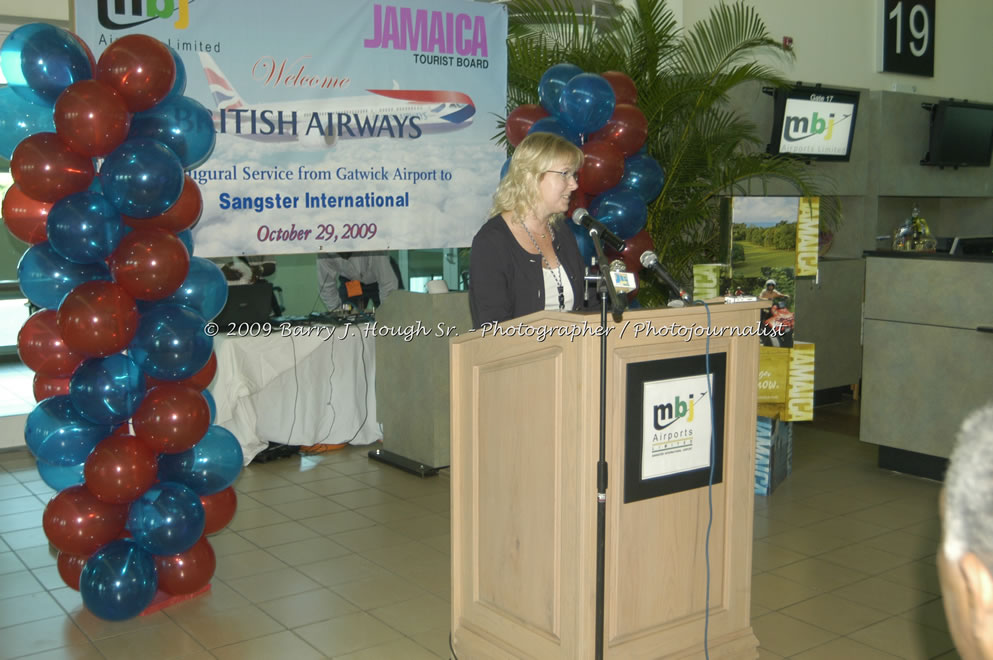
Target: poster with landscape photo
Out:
[763,234]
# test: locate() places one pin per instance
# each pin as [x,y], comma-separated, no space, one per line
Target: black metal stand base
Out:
[403,463]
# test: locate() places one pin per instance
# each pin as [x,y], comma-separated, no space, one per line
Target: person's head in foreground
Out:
[965,558]
[539,182]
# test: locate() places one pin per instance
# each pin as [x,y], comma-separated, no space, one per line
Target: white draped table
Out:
[297,390]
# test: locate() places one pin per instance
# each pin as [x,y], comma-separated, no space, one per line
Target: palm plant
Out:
[684,79]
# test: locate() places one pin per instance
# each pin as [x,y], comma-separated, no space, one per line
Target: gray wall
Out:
[878,188]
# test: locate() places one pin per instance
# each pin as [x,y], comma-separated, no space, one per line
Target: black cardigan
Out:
[505,280]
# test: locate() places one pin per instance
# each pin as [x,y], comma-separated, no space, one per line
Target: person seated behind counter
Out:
[371,274]
[524,259]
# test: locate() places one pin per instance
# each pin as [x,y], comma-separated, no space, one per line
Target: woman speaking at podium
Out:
[524,258]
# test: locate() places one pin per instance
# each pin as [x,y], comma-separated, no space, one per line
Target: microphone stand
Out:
[605,287]
[617,304]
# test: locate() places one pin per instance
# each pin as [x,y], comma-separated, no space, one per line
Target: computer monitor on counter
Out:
[972,246]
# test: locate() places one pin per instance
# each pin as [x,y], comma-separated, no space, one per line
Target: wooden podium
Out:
[525,438]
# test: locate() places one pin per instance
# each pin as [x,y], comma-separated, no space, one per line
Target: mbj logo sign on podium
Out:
[667,414]
[677,426]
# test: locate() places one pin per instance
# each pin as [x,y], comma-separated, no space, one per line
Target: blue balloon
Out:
[85,227]
[209,467]
[39,61]
[584,241]
[553,125]
[46,277]
[118,581]
[623,211]
[644,175]
[503,170]
[182,124]
[171,343]
[142,178]
[211,405]
[19,119]
[107,390]
[60,477]
[586,103]
[553,81]
[57,433]
[187,237]
[167,519]
[205,289]
[178,87]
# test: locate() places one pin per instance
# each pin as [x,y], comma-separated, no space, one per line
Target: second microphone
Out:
[583,218]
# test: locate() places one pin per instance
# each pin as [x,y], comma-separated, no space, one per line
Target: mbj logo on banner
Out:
[676,426]
[356,125]
[122,15]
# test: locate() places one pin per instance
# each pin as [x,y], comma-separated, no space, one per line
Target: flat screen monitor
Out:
[961,134]
[814,123]
[972,246]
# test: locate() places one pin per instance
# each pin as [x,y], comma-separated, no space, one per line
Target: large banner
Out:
[346,125]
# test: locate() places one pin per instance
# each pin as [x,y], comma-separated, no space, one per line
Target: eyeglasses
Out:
[565,174]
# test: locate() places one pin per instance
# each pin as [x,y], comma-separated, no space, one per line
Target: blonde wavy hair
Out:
[518,190]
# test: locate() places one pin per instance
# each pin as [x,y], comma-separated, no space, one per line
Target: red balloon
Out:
[92,118]
[41,349]
[623,86]
[70,566]
[26,218]
[188,571]
[48,170]
[98,318]
[140,68]
[46,386]
[198,381]
[183,214]
[120,469]
[150,264]
[520,120]
[171,418]
[626,129]
[219,509]
[603,167]
[78,523]
[634,247]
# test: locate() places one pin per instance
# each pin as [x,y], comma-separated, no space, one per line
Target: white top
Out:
[552,289]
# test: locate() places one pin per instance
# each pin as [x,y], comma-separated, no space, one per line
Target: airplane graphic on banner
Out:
[381,113]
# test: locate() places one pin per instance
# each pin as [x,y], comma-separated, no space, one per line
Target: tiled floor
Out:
[338,556]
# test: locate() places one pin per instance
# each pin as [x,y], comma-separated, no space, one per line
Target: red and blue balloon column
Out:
[599,114]
[123,431]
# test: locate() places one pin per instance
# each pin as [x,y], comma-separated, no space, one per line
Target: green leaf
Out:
[684,79]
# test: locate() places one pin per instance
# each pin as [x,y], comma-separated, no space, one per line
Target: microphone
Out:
[651,261]
[582,218]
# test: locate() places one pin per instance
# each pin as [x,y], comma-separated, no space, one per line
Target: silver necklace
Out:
[554,272]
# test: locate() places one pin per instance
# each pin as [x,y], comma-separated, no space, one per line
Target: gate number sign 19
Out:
[908,37]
